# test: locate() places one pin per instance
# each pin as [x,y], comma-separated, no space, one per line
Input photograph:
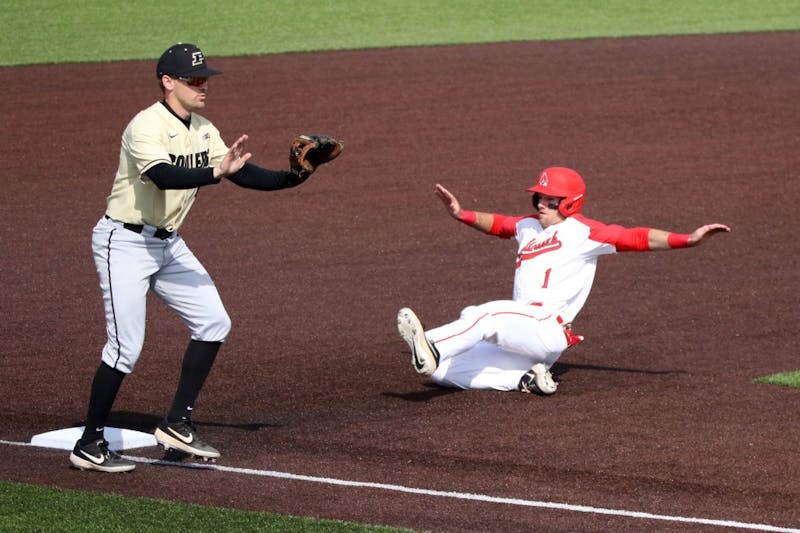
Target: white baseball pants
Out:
[128,265]
[492,345]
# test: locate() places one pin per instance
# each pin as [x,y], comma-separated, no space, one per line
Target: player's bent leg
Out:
[511,325]
[528,330]
[187,288]
[473,326]
[484,367]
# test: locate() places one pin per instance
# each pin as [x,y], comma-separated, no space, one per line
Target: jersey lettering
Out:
[198,160]
[534,248]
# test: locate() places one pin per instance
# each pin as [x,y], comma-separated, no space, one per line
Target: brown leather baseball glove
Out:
[310,151]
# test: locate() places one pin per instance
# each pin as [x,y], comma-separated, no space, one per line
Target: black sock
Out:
[105,386]
[197,363]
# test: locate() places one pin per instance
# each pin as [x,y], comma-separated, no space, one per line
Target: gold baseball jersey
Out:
[157,136]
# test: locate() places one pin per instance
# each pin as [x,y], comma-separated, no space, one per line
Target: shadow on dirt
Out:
[147,422]
[434,391]
[560,369]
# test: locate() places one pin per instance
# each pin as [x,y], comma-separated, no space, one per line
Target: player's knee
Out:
[224,326]
[215,329]
[469,312]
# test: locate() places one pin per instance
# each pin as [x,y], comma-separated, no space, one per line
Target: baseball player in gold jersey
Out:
[167,153]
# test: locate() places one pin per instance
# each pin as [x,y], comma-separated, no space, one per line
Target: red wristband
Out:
[468,217]
[678,240]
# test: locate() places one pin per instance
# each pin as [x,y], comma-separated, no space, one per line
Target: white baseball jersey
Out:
[556,265]
[492,345]
[156,136]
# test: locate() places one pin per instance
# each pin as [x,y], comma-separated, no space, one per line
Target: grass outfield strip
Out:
[55,31]
[29,508]
[783,379]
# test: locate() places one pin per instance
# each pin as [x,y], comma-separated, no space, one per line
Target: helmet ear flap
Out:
[570,206]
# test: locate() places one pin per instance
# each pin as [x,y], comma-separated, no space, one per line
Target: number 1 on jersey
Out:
[546,278]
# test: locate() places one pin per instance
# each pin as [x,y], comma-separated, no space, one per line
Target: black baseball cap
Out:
[184,60]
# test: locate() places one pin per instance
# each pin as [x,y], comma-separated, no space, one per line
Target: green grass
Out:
[30,508]
[53,31]
[783,379]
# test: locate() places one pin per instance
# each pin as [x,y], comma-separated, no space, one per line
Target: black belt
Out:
[159,233]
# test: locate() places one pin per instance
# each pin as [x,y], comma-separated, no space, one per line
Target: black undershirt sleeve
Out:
[255,177]
[167,176]
[250,176]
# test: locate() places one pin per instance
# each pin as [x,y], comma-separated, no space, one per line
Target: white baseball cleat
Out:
[538,380]
[183,436]
[424,355]
[97,456]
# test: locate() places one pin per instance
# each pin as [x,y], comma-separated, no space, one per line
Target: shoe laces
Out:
[105,451]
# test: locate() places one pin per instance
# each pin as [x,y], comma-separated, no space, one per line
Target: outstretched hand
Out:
[234,160]
[704,232]
[450,202]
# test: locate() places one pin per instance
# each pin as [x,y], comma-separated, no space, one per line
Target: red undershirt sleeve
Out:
[633,240]
[623,239]
[504,226]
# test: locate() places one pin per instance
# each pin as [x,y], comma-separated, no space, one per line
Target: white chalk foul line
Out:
[455,495]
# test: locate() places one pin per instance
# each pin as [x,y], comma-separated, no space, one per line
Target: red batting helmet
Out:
[563,183]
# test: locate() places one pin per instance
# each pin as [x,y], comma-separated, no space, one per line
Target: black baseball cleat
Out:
[424,355]
[96,456]
[538,380]
[183,436]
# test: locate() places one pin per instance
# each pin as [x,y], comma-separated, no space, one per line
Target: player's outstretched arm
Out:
[665,240]
[477,219]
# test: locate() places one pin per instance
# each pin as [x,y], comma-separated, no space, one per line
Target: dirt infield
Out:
[656,412]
